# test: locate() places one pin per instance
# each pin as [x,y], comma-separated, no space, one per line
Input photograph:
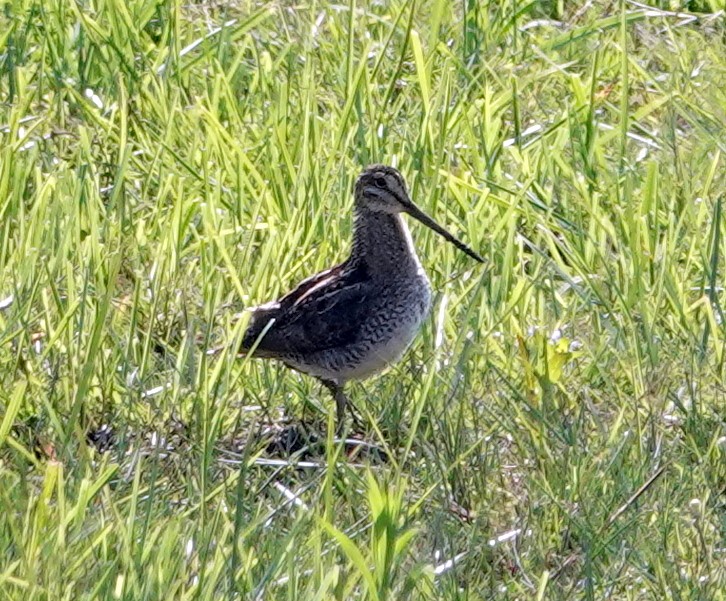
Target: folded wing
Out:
[323,312]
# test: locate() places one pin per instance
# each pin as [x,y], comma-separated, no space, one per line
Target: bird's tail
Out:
[261,321]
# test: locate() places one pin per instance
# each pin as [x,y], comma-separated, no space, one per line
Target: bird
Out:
[356,319]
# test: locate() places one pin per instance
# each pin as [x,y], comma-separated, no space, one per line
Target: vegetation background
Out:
[557,431]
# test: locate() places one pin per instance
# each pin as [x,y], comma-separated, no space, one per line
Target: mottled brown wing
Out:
[262,314]
[303,287]
[328,315]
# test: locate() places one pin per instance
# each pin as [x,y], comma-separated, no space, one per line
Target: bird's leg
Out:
[341,401]
[356,415]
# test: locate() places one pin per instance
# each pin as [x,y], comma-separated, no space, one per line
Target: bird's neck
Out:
[382,242]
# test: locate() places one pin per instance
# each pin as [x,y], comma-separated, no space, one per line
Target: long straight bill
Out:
[418,214]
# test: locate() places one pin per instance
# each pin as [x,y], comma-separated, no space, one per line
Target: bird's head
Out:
[382,189]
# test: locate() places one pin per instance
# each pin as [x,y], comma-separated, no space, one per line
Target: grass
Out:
[556,432]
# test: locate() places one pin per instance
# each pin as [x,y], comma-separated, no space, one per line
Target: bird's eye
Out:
[380,182]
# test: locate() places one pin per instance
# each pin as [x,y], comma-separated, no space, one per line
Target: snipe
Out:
[354,320]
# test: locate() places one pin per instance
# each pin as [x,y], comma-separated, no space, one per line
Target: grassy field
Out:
[558,430]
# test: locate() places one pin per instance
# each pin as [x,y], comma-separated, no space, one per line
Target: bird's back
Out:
[342,324]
